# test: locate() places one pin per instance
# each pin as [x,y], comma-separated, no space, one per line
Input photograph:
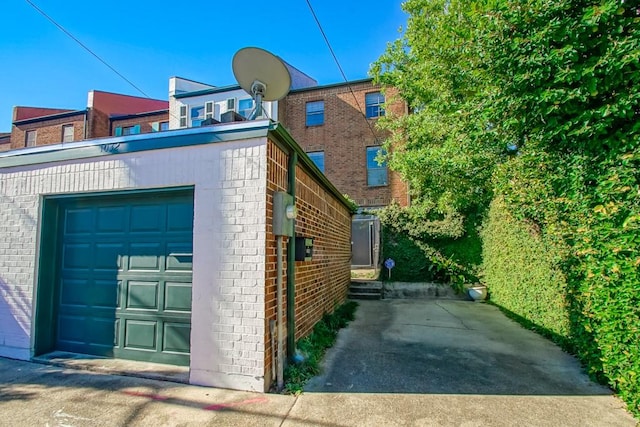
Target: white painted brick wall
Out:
[227,348]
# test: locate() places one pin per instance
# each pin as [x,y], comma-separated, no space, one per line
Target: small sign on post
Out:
[389,263]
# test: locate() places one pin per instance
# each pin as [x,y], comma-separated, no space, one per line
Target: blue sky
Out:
[150,41]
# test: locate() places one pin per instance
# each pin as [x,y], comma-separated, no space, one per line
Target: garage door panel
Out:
[103,332]
[180,217]
[177,296]
[78,221]
[176,337]
[124,277]
[108,256]
[147,218]
[112,219]
[142,295]
[74,292]
[140,334]
[145,256]
[179,256]
[71,329]
[104,294]
[77,256]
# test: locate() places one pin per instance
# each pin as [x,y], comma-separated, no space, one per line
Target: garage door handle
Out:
[177,254]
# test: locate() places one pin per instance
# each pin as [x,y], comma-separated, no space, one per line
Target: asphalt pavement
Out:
[400,363]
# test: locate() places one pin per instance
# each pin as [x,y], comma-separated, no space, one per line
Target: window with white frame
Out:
[209,110]
[317,157]
[314,113]
[376,171]
[183,116]
[373,104]
[164,126]
[30,138]
[67,133]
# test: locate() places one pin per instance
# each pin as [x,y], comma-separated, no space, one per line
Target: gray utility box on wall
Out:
[304,248]
[283,214]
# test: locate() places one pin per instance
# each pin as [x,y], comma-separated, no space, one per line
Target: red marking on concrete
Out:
[221,406]
[147,395]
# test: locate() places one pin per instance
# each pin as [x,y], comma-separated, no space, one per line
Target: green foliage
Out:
[352,203]
[430,247]
[314,346]
[522,271]
[569,79]
[560,81]
[442,149]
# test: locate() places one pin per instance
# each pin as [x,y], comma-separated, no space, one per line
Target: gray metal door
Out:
[365,236]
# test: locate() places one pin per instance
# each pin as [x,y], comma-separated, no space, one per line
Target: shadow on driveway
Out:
[443,346]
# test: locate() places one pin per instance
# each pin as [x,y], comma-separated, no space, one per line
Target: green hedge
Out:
[522,274]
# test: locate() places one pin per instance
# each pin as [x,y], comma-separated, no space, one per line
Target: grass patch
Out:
[313,347]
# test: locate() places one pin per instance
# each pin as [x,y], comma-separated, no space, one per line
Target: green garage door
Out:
[124,277]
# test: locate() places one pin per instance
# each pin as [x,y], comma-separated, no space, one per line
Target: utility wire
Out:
[85,47]
[335,58]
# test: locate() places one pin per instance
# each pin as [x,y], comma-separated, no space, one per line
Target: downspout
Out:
[291,265]
[280,361]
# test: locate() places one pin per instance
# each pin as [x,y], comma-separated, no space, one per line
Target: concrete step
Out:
[365,289]
[364,296]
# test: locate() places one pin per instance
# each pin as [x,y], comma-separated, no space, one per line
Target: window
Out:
[376,172]
[67,133]
[208,110]
[245,107]
[373,102]
[197,116]
[315,113]
[231,104]
[30,138]
[130,130]
[317,157]
[164,126]
[183,116]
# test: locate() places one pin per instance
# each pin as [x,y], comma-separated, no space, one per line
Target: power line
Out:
[85,47]
[335,58]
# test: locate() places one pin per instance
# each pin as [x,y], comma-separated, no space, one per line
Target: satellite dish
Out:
[261,74]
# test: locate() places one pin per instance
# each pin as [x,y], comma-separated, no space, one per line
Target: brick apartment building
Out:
[105,113]
[336,126]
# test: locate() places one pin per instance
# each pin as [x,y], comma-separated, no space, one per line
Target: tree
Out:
[444,147]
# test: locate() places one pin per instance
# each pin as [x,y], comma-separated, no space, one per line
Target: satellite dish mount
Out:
[262,75]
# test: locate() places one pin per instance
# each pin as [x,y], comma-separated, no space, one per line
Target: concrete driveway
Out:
[460,363]
[400,363]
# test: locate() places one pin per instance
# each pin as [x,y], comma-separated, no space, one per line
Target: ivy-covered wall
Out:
[525,279]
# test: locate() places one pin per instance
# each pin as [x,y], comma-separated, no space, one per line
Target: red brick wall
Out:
[323,282]
[277,180]
[344,138]
[5,142]
[47,131]
[98,124]
[144,122]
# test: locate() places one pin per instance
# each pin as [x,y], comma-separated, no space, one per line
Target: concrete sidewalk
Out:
[400,363]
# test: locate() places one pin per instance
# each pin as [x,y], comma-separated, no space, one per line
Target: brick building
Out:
[35,126]
[336,126]
[5,141]
[161,247]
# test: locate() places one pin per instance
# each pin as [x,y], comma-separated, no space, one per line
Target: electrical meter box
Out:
[304,248]
[283,214]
